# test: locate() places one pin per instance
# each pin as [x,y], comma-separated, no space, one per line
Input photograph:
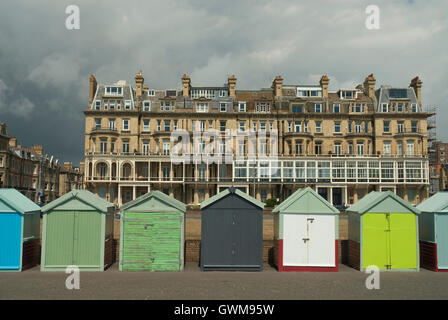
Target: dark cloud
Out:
[45,68]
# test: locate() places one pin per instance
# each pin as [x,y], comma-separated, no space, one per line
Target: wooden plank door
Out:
[403,241]
[321,244]
[295,247]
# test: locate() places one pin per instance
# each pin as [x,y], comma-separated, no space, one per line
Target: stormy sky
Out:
[45,68]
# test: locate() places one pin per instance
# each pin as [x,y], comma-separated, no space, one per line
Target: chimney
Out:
[324,81]
[369,86]
[232,85]
[13,142]
[139,83]
[416,84]
[38,149]
[92,90]
[186,85]
[3,130]
[277,86]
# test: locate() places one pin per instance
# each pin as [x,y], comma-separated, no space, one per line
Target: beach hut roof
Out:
[17,201]
[171,202]
[382,201]
[436,203]
[228,191]
[306,200]
[84,197]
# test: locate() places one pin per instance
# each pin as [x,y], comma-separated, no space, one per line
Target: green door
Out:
[151,241]
[403,241]
[375,242]
[389,241]
[59,239]
[87,239]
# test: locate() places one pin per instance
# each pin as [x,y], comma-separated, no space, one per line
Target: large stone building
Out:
[37,175]
[344,143]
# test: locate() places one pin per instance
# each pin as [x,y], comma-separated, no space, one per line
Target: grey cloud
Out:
[46,68]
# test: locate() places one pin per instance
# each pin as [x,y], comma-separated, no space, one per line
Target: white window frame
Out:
[386,148]
[384,107]
[202,107]
[127,104]
[146,128]
[242,126]
[320,107]
[241,106]
[146,108]
[128,122]
[222,104]
[318,127]
[336,105]
[97,105]
[338,125]
[108,91]
[151,93]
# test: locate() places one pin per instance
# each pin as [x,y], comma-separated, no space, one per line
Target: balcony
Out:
[104,130]
[409,132]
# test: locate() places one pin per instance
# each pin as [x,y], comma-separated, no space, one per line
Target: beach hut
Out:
[232,232]
[19,231]
[433,232]
[306,233]
[152,233]
[77,230]
[383,232]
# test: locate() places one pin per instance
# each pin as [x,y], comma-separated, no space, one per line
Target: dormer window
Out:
[414,107]
[308,92]
[318,107]
[384,107]
[242,106]
[223,107]
[111,104]
[202,107]
[127,104]
[166,106]
[106,104]
[114,90]
[170,93]
[222,93]
[347,94]
[262,107]
[97,104]
[146,105]
[118,104]
[151,93]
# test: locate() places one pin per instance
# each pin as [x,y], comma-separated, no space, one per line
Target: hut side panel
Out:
[442,241]
[10,240]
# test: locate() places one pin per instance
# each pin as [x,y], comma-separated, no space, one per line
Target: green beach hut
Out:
[383,232]
[152,233]
[77,230]
[433,231]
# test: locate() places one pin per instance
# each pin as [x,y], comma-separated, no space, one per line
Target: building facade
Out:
[343,144]
[38,176]
[438,167]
